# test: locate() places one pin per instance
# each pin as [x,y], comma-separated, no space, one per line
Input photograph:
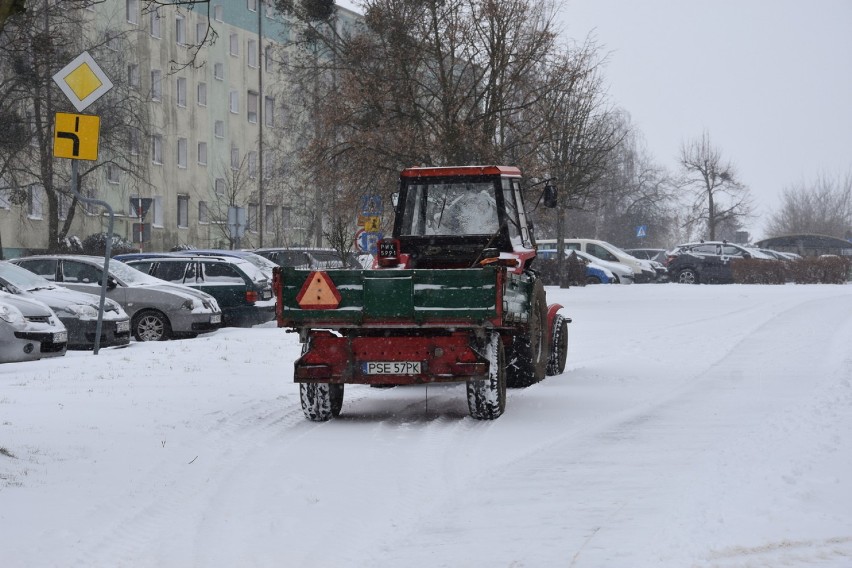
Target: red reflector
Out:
[312,371]
[251,296]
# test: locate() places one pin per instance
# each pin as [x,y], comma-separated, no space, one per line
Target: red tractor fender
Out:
[552,310]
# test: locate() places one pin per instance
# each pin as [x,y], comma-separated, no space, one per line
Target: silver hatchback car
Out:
[29,330]
[158,310]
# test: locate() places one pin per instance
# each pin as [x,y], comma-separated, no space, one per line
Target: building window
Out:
[157,206]
[183,211]
[35,202]
[200,32]
[112,173]
[251,106]
[269,219]
[155,24]
[285,218]
[157,149]
[251,220]
[251,53]
[133,75]
[234,101]
[201,94]
[251,5]
[181,152]
[202,153]
[132,9]
[269,111]
[180,30]
[235,44]
[267,58]
[218,12]
[219,129]
[270,8]
[134,142]
[203,214]
[218,71]
[219,186]
[156,85]
[181,91]
[252,164]
[235,158]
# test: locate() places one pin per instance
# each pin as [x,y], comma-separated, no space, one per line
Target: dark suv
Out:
[707,262]
[243,292]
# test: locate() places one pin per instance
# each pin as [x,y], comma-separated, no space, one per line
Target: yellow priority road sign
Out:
[75,136]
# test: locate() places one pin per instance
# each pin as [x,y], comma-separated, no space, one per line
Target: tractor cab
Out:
[459,217]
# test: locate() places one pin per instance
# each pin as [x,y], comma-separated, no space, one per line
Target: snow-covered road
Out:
[694,426]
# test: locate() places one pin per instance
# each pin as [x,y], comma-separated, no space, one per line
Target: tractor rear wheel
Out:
[530,351]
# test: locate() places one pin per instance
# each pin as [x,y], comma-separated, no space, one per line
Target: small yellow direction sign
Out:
[75,136]
[82,81]
[372,224]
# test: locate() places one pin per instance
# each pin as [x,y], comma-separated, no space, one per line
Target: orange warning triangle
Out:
[318,293]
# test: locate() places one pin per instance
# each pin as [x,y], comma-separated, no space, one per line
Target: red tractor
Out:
[453,297]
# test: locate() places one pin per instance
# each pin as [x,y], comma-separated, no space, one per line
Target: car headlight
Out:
[81,311]
[12,315]
[190,305]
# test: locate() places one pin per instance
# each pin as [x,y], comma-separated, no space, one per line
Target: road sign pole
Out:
[107,252]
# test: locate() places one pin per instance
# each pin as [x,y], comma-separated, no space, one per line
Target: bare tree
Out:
[822,206]
[434,82]
[714,192]
[36,44]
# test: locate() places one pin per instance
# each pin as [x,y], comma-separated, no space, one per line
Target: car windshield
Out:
[23,278]
[450,209]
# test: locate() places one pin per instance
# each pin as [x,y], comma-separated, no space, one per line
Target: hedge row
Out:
[819,270]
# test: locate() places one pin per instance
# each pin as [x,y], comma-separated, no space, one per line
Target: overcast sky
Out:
[770,80]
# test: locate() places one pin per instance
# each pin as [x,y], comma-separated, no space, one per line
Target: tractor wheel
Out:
[486,398]
[558,347]
[321,401]
[530,351]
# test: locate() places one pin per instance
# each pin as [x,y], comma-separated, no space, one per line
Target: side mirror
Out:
[549,196]
[395,198]
[111,283]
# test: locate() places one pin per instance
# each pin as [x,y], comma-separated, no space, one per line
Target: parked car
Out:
[707,261]
[29,330]
[602,250]
[261,262]
[242,291]
[656,254]
[309,258]
[77,311]
[595,273]
[158,310]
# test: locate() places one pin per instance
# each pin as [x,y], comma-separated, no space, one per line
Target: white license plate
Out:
[391,367]
[122,326]
[60,337]
[267,294]
[216,318]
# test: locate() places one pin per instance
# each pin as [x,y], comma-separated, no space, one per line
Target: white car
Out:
[29,330]
[643,271]
[623,274]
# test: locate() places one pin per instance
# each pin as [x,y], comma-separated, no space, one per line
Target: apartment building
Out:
[219,134]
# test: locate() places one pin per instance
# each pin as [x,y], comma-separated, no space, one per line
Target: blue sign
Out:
[371,205]
[369,242]
[641,231]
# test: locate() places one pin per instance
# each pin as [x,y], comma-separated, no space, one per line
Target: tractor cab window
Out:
[450,209]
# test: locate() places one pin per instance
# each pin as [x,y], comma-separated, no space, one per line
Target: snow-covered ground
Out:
[695,426]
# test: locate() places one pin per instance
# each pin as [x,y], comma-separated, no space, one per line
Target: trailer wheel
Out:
[321,401]
[530,351]
[486,398]
[558,346]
